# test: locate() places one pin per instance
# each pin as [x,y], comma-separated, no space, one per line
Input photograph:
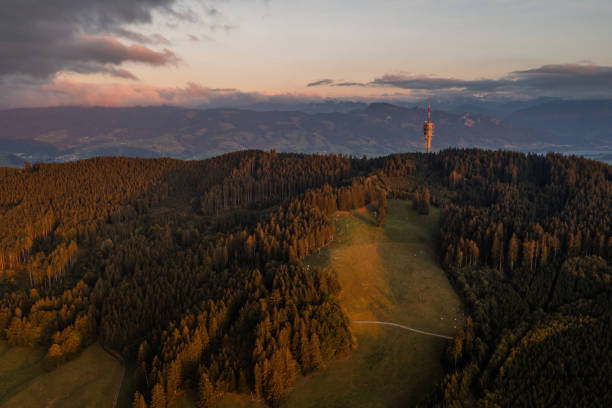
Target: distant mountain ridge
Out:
[582,123]
[68,133]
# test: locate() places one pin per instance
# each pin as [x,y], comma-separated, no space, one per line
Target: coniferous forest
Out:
[193,269]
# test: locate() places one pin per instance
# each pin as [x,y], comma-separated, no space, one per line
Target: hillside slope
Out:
[387,274]
[194,270]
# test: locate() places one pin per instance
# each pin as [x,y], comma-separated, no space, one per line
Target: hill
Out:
[60,134]
[196,272]
[11,160]
[387,274]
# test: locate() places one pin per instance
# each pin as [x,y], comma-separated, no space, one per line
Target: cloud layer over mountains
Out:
[562,80]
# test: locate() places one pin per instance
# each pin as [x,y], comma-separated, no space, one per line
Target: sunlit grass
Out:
[387,274]
[90,380]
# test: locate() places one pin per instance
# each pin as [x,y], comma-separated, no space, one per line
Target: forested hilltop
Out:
[193,269]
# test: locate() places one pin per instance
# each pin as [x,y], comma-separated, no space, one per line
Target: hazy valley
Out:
[61,134]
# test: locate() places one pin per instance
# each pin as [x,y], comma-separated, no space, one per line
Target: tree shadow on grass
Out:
[364,218]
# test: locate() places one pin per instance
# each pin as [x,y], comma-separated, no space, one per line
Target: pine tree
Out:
[258,379]
[426,197]
[206,392]
[513,250]
[158,399]
[316,360]
[173,381]
[54,357]
[139,401]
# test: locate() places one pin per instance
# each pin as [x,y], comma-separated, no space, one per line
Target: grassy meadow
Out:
[387,274]
[90,380]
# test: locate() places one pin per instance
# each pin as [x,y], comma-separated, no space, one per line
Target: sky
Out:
[239,52]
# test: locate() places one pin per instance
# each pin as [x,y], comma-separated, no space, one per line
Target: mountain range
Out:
[69,133]
[575,123]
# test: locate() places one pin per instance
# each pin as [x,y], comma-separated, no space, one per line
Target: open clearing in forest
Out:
[90,380]
[388,274]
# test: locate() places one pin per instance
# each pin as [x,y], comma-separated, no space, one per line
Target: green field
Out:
[90,380]
[387,274]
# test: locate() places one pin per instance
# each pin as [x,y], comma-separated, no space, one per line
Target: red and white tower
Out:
[428,128]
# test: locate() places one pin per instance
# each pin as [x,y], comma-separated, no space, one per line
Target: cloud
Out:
[432,83]
[350,84]
[81,54]
[155,39]
[562,80]
[570,81]
[331,82]
[212,11]
[224,27]
[159,39]
[108,50]
[198,38]
[73,93]
[320,82]
[42,38]
[575,79]
[133,36]
[121,73]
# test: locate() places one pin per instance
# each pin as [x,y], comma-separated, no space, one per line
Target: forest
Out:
[193,269]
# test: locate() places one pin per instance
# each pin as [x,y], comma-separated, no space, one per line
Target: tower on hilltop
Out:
[428,128]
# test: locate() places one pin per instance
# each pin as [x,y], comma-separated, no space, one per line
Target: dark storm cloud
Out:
[41,38]
[320,82]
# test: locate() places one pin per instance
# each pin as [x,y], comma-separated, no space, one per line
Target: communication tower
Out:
[428,128]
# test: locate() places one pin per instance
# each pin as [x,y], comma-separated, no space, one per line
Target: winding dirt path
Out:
[401,326]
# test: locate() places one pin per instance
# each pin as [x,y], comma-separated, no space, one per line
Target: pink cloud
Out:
[111,51]
[74,93]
